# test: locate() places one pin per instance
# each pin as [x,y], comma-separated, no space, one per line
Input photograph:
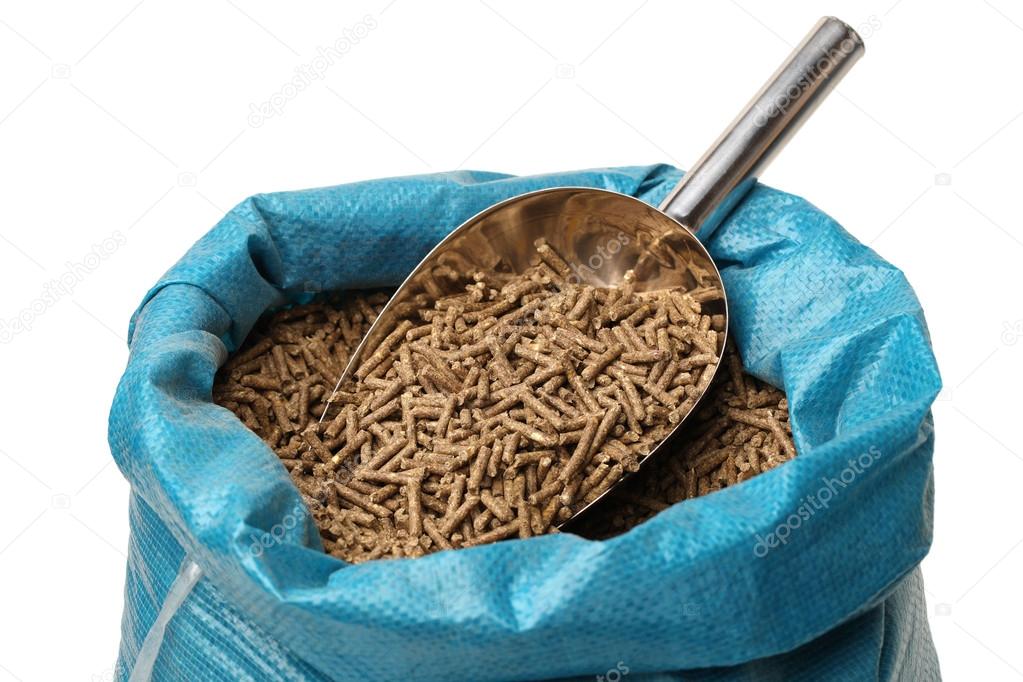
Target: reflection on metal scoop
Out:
[605,234]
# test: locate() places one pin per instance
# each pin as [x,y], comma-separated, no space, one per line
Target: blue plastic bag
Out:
[808,571]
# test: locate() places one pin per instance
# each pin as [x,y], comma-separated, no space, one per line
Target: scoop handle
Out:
[726,171]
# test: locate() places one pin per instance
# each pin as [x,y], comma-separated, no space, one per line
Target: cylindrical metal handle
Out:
[723,175]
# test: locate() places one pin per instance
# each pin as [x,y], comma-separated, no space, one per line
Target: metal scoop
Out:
[604,234]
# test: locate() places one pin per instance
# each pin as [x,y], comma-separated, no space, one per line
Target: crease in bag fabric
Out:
[809,571]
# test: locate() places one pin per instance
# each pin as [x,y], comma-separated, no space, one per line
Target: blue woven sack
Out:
[809,571]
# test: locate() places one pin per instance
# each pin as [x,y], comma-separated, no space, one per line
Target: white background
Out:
[133,118]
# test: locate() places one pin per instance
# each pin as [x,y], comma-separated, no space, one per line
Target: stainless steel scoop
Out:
[604,234]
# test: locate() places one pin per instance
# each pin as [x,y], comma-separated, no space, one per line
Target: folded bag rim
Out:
[557,584]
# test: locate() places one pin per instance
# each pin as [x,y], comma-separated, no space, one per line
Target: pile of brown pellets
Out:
[497,413]
[740,430]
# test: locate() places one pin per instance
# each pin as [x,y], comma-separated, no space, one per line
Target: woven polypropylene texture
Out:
[805,572]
